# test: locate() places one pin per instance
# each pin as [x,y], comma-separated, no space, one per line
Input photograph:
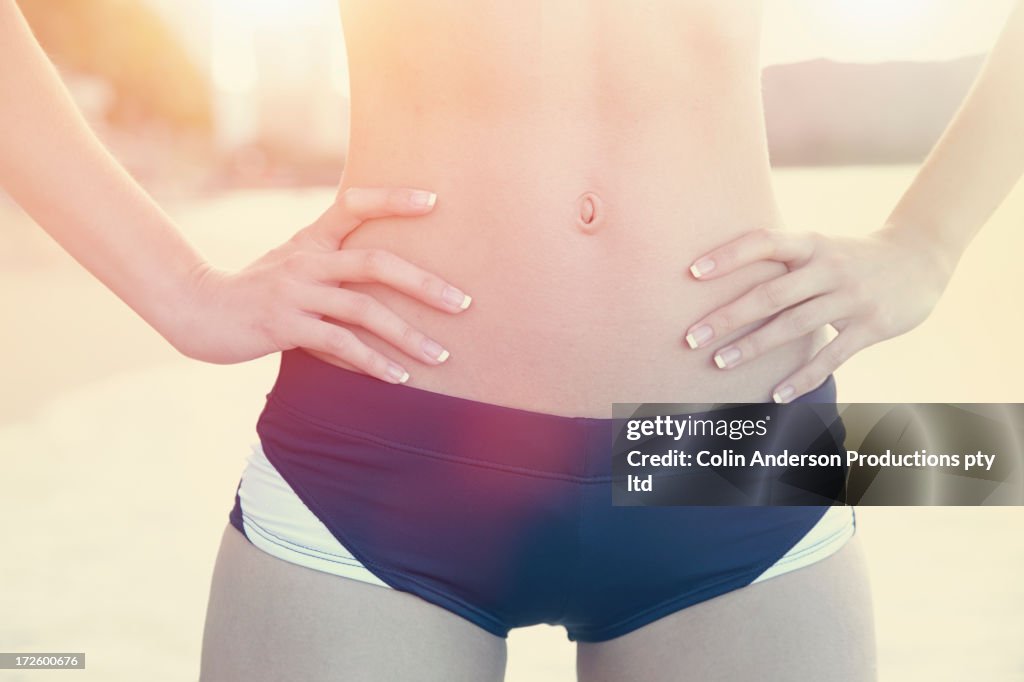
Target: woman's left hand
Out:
[868,288]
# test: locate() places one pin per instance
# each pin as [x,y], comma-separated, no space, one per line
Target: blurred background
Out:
[121,458]
[225,93]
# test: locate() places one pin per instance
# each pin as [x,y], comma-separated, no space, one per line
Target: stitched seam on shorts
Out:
[263,534]
[669,602]
[689,595]
[448,597]
[810,549]
[285,542]
[314,507]
[369,564]
[415,450]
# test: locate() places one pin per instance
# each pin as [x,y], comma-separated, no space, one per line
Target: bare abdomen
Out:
[578,270]
[580,169]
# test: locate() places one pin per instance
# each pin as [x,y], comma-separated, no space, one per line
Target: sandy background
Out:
[120,458]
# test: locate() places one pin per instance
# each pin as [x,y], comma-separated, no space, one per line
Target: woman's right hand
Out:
[278,302]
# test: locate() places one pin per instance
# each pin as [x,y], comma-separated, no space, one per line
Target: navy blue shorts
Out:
[504,516]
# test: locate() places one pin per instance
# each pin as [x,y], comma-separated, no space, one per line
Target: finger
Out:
[825,362]
[342,344]
[842,323]
[763,301]
[378,265]
[370,314]
[777,245]
[791,324]
[358,204]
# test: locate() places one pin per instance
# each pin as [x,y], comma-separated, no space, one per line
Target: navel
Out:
[589,212]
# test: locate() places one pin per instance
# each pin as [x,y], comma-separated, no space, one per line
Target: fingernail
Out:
[783,394]
[434,350]
[699,336]
[397,374]
[422,199]
[728,357]
[456,298]
[702,267]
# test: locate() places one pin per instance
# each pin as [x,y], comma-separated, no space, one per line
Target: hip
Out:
[580,280]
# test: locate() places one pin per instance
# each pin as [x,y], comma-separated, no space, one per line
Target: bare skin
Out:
[575,191]
[848,283]
[791,627]
[584,156]
[270,620]
[653,112]
[115,230]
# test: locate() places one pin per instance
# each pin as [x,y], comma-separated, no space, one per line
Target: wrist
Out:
[189,308]
[926,241]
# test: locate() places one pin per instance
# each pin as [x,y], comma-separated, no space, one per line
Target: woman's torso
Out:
[511,111]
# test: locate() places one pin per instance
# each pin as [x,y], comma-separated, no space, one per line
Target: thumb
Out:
[358,204]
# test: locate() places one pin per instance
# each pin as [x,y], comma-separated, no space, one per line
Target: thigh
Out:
[268,619]
[809,624]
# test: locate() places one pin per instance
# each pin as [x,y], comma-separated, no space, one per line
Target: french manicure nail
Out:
[702,267]
[699,336]
[783,394]
[434,350]
[422,199]
[456,298]
[728,357]
[397,374]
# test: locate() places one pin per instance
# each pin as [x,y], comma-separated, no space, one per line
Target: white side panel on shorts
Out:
[831,532]
[280,524]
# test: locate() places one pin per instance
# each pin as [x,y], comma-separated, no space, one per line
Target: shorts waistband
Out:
[443,425]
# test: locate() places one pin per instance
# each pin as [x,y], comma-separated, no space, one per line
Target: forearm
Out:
[979,157]
[53,165]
